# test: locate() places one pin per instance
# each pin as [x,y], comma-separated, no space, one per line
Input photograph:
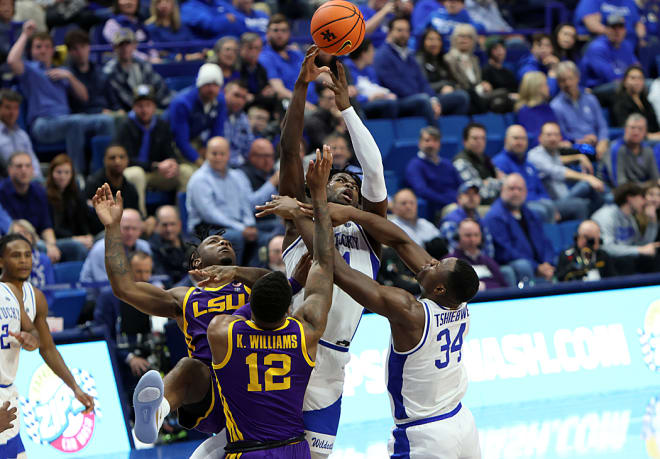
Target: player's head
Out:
[213,250]
[450,280]
[270,298]
[15,257]
[344,187]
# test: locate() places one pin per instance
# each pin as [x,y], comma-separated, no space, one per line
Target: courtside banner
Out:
[52,422]
[529,350]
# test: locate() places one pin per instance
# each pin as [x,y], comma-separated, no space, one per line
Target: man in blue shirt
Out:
[199,113]
[431,177]
[579,114]
[591,15]
[445,19]
[237,127]
[542,60]
[218,195]
[212,19]
[47,90]
[377,13]
[12,138]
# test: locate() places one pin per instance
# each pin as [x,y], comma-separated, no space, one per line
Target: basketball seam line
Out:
[334,20]
[340,39]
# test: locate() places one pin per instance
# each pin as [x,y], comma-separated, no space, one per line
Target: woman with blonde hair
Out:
[164,25]
[533,107]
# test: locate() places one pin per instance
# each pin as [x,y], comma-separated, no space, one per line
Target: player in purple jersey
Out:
[262,365]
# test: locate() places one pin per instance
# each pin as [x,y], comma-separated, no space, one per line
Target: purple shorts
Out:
[298,450]
[205,416]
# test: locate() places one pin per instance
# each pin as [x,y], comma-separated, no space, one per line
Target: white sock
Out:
[163,411]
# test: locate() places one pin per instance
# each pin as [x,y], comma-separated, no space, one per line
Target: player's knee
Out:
[192,368]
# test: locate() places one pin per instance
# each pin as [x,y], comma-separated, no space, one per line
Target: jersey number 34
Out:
[449,346]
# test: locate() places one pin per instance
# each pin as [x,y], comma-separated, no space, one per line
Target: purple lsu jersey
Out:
[262,381]
[200,306]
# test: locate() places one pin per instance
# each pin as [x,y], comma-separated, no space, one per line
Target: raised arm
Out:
[15,56]
[292,180]
[141,295]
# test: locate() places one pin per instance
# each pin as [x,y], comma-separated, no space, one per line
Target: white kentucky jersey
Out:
[29,300]
[345,314]
[430,379]
[10,321]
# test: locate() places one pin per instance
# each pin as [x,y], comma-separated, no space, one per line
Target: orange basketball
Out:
[337,27]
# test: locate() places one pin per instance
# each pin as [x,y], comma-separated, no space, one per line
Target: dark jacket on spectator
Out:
[161,147]
[500,78]
[486,268]
[318,125]
[403,77]
[70,217]
[572,266]
[32,206]
[169,259]
[437,183]
[624,106]
[128,192]
[121,84]
[94,81]
[435,70]
[512,242]
[255,79]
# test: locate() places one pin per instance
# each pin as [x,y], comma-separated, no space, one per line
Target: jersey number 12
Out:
[449,346]
[273,371]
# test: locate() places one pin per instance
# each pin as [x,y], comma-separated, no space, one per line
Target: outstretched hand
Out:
[86,399]
[309,71]
[319,170]
[108,209]
[26,340]
[7,416]
[339,86]
[219,275]
[282,206]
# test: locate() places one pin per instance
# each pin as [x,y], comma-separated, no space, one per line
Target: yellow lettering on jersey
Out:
[278,342]
[220,304]
[287,342]
[254,341]
[239,341]
[295,341]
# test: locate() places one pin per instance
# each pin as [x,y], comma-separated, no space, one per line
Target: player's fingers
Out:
[5,405]
[341,73]
[325,69]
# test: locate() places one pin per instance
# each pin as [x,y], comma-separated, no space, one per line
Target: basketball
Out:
[337,27]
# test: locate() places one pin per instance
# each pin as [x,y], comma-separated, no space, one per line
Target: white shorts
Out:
[322,404]
[454,437]
[9,393]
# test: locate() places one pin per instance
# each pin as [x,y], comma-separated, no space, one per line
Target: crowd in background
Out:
[581,145]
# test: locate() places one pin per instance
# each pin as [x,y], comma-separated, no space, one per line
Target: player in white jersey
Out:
[323,397]
[426,379]
[16,262]
[16,331]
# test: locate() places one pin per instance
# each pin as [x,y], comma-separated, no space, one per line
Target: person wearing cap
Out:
[541,59]
[430,176]
[199,113]
[590,17]
[606,59]
[89,73]
[148,140]
[124,73]
[468,201]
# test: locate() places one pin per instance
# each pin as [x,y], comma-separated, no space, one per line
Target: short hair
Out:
[623,192]
[470,126]
[222,41]
[240,83]
[167,206]
[460,29]
[114,145]
[360,50]
[567,66]
[43,36]
[16,154]
[249,37]
[5,240]
[139,255]
[549,122]
[397,18]
[278,18]
[432,131]
[271,297]
[462,281]
[9,95]
[538,37]
[635,117]
[76,37]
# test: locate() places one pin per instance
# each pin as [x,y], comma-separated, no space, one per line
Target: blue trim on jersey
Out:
[358,324]
[324,421]
[427,326]
[375,262]
[9,291]
[333,346]
[3,386]
[13,447]
[401,448]
[395,365]
[440,417]
[290,248]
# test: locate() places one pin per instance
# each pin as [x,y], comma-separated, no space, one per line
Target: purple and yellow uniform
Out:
[200,306]
[261,384]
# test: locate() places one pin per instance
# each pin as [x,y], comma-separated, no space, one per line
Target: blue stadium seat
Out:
[615,133]
[155,199]
[391,183]
[452,126]
[68,304]
[177,69]
[383,132]
[567,230]
[553,234]
[99,144]
[449,148]
[408,128]
[183,211]
[67,271]
[494,145]
[176,342]
[510,118]
[177,83]
[494,122]
[402,152]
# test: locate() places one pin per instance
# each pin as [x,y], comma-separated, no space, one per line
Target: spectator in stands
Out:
[377,13]
[210,19]
[421,13]
[466,71]
[487,13]
[115,162]
[87,72]
[23,198]
[398,71]
[430,176]
[124,73]
[164,25]
[42,273]
[468,201]
[586,260]
[225,52]
[631,250]
[444,20]
[630,159]
[218,195]
[565,44]
[274,260]
[606,59]
[131,225]
[237,126]
[125,16]
[495,72]
[47,89]
[169,250]
[533,107]
[405,216]
[560,181]
[9,29]
[12,137]
[325,120]
[130,331]
[259,118]
[469,248]
[282,62]
[342,152]
[542,60]
[148,141]
[579,114]
[518,235]
[251,19]
[473,165]
[68,207]
[631,97]
[652,197]
[431,60]
[590,17]
[263,179]
[199,113]
[252,73]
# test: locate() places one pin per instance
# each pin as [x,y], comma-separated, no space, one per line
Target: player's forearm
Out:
[15,56]
[55,362]
[249,276]
[291,170]
[323,234]
[116,262]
